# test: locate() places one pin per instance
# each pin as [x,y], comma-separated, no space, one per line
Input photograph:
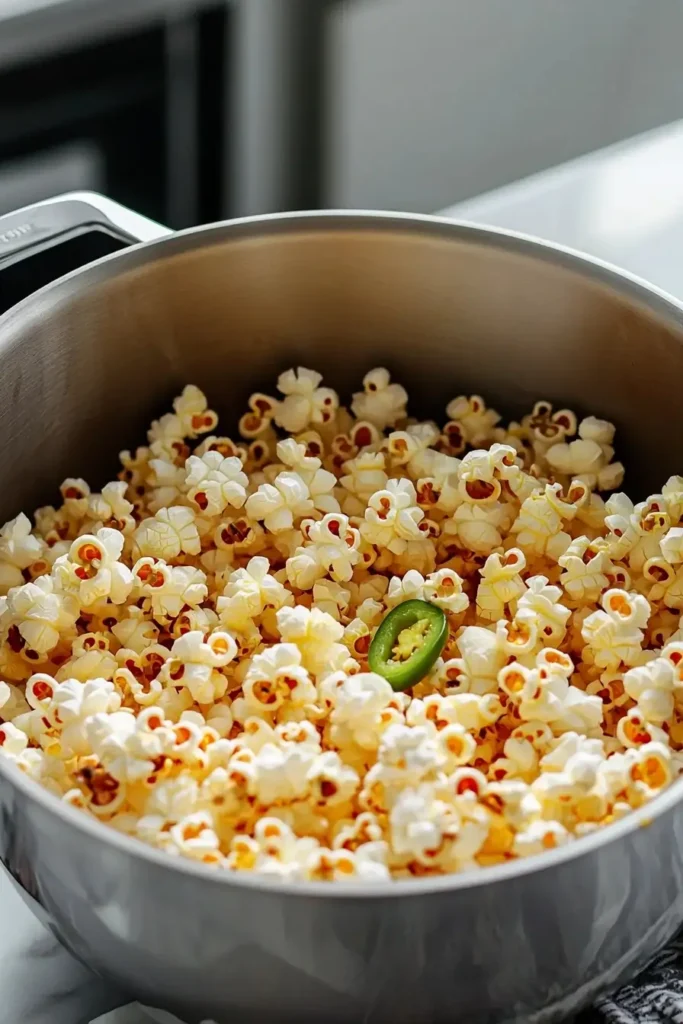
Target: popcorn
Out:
[194,416]
[410,587]
[565,751]
[585,563]
[37,616]
[437,479]
[672,492]
[277,775]
[248,593]
[540,606]
[381,402]
[615,634]
[331,548]
[184,655]
[365,475]
[18,550]
[195,663]
[317,636]
[92,570]
[173,799]
[168,533]
[90,659]
[476,422]
[275,850]
[544,694]
[633,731]
[75,493]
[457,746]
[279,504]
[636,531]
[667,583]
[111,508]
[652,687]
[358,702]
[214,482]
[408,447]
[136,676]
[332,782]
[195,838]
[72,704]
[305,401]
[476,711]
[442,588]
[368,864]
[108,737]
[672,545]
[135,631]
[319,481]
[167,484]
[482,659]
[392,518]
[539,524]
[500,583]
[477,480]
[275,676]
[479,527]
[408,754]
[333,599]
[539,836]
[420,824]
[169,589]
[651,768]
[190,418]
[589,457]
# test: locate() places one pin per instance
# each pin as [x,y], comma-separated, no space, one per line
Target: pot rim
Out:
[630,285]
[637,288]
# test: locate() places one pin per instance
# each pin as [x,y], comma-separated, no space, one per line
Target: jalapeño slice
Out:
[408,642]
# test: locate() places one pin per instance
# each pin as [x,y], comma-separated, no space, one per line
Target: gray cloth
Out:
[655,996]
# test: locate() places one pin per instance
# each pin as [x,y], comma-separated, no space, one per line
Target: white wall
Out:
[432,101]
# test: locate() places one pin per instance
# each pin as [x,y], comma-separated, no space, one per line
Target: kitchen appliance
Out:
[449,308]
[130,103]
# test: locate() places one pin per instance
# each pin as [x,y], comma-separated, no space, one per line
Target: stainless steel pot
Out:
[450,308]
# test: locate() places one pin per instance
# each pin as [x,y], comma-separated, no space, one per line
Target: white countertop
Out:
[623,204]
[40,983]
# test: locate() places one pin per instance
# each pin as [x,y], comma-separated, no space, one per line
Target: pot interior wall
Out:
[85,365]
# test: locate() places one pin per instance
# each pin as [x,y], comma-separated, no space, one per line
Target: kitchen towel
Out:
[655,997]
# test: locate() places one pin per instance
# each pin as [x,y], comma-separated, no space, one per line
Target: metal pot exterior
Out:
[537,945]
[449,309]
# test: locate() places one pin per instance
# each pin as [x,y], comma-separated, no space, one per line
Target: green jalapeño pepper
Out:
[408,642]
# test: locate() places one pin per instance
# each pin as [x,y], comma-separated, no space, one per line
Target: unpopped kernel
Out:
[184,654]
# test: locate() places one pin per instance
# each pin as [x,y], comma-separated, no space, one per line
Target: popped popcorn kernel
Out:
[305,402]
[19,549]
[214,482]
[169,533]
[381,402]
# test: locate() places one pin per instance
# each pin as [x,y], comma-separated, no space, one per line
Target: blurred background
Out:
[194,110]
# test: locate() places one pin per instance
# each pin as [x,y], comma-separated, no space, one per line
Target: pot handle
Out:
[44,224]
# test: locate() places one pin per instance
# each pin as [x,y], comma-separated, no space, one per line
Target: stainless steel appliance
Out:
[449,308]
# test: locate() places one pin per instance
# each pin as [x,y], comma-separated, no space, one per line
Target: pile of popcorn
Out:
[183,655]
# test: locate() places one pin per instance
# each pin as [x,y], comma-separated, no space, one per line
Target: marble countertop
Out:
[623,204]
[40,982]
